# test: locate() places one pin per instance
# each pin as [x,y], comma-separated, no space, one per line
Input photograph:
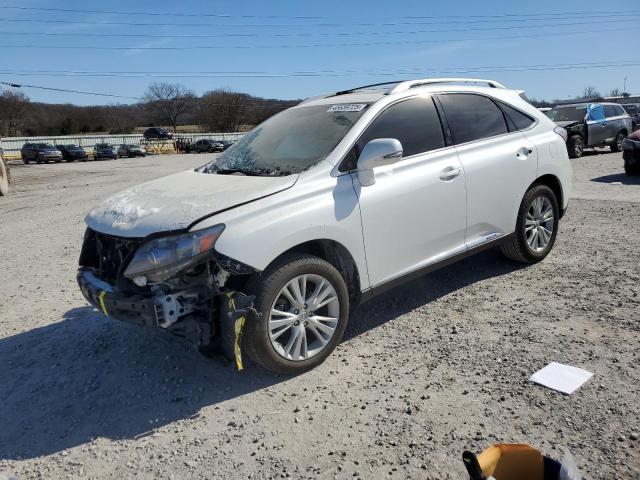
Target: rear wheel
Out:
[575,146]
[536,228]
[616,146]
[304,308]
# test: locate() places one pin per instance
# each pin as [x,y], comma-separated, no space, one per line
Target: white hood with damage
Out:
[177,201]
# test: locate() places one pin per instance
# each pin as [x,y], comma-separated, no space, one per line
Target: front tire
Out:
[575,146]
[536,228]
[303,307]
[616,146]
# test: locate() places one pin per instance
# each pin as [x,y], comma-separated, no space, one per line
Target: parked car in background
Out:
[104,151]
[226,144]
[126,150]
[157,133]
[633,109]
[5,176]
[590,125]
[631,153]
[209,146]
[40,153]
[325,205]
[71,152]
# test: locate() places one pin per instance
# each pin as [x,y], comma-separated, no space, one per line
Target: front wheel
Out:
[575,146]
[536,228]
[303,307]
[616,146]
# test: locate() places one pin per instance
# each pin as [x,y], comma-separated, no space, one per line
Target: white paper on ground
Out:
[563,378]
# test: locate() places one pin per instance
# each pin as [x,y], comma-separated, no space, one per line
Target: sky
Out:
[295,49]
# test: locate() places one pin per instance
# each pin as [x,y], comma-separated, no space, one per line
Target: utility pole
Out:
[624,88]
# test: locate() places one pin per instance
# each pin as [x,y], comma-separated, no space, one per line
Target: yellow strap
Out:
[101,299]
[236,346]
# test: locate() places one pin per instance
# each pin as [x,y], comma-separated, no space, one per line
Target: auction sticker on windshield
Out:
[347,107]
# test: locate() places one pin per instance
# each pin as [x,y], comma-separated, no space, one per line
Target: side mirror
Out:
[376,153]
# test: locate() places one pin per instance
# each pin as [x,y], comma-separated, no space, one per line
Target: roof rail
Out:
[432,81]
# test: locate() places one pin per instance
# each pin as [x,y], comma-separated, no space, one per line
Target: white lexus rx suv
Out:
[266,249]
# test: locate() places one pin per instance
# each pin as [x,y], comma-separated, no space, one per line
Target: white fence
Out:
[12,145]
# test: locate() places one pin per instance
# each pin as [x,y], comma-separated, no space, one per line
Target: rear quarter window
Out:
[515,118]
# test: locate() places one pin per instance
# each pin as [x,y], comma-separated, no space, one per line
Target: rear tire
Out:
[575,146]
[536,228]
[616,146]
[261,339]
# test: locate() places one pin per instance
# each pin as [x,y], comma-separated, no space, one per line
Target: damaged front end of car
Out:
[177,282]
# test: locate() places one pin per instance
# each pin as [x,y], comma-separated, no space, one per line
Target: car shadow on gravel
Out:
[87,376]
[425,289]
[618,178]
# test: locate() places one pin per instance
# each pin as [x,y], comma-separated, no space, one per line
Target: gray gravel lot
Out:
[425,371]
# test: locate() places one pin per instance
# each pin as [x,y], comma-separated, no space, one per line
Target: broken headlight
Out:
[162,258]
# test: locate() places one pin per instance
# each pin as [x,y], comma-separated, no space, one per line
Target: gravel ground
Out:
[424,372]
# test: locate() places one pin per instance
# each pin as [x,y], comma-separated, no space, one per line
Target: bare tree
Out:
[590,92]
[223,110]
[14,107]
[170,101]
[615,92]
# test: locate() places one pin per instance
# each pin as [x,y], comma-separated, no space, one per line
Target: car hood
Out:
[177,201]
[567,123]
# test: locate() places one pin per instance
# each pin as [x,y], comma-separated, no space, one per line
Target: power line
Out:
[350,25]
[629,18]
[312,45]
[459,70]
[294,17]
[314,73]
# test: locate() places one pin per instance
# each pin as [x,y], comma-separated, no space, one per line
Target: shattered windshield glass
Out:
[289,142]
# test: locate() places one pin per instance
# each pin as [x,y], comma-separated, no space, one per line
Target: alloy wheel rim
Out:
[539,224]
[619,142]
[303,317]
[578,147]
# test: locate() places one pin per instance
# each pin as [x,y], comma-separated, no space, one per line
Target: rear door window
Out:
[611,111]
[472,117]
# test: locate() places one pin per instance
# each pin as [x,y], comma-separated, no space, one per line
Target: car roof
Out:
[400,89]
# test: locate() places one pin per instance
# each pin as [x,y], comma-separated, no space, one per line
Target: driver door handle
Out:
[449,173]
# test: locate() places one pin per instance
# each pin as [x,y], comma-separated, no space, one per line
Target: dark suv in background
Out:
[590,125]
[157,133]
[72,152]
[104,150]
[40,153]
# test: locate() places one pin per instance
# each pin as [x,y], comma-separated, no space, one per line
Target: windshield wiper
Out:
[261,172]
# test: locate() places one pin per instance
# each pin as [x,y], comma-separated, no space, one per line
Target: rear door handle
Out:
[449,173]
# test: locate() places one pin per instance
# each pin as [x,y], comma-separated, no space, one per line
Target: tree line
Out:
[164,104]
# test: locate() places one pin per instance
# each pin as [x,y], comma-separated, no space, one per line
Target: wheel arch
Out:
[337,255]
[555,185]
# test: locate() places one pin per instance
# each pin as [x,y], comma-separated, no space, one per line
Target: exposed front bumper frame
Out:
[136,309]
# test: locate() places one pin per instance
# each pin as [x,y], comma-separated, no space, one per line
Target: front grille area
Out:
[107,254]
